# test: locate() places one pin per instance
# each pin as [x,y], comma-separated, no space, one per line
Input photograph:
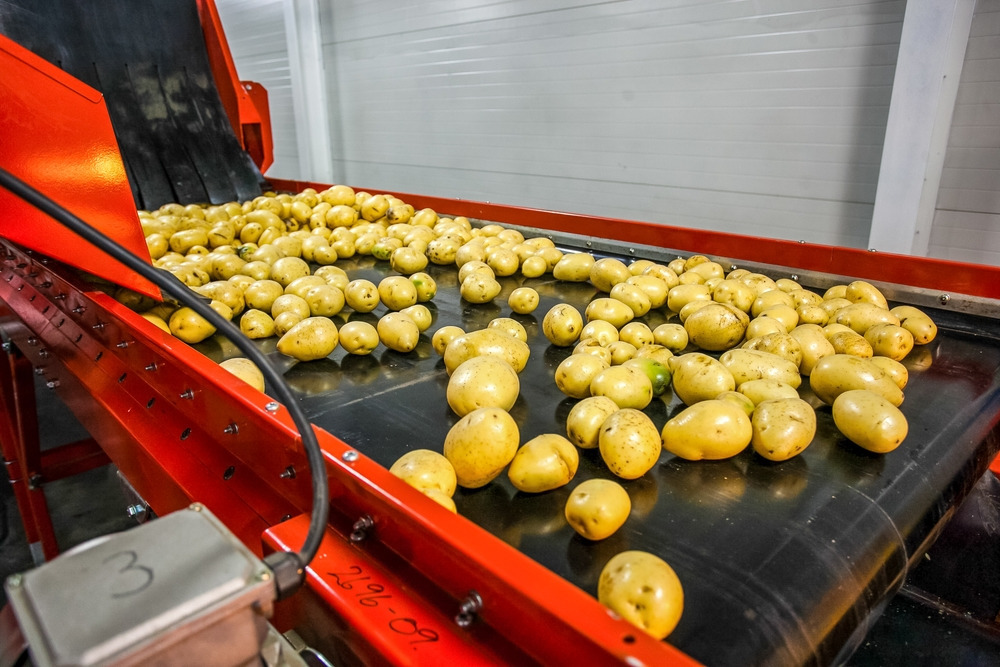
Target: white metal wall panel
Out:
[757,116]
[967,219]
[255,30]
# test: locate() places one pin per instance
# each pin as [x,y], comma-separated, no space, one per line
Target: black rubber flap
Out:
[148,58]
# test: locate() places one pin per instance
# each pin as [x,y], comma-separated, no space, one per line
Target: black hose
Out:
[288,575]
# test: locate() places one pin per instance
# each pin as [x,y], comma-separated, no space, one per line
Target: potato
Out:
[895,370]
[426,286]
[759,327]
[849,342]
[860,291]
[543,463]
[285,321]
[398,332]
[607,272]
[480,445]
[397,292]
[425,469]
[782,344]
[161,323]
[407,260]
[748,365]
[869,420]
[362,295]
[443,336]
[786,315]
[472,267]
[245,370]
[717,326]
[699,377]
[813,344]
[838,373]
[682,295]
[482,382]
[191,327]
[592,346]
[534,266]
[576,372]
[765,300]
[562,325]
[583,425]
[359,338]
[657,353]
[621,352]
[740,400]
[300,286]
[633,297]
[735,294]
[766,389]
[862,316]
[710,430]
[644,590]
[654,287]
[287,269]
[629,443]
[574,267]
[597,508]
[627,386]
[324,300]
[918,323]
[637,333]
[602,331]
[256,324]
[312,338]
[658,373]
[758,282]
[672,336]
[486,342]
[510,327]
[890,340]
[609,310]
[782,428]
[523,300]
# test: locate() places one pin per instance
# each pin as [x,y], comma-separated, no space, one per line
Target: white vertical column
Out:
[928,67]
[305,60]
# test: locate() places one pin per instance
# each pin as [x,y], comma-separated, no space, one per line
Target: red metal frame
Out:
[245,102]
[66,148]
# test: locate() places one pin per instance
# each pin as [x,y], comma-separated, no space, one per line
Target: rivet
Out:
[349,456]
[272,406]
[944,298]
[52,384]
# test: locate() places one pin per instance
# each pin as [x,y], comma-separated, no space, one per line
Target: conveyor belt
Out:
[782,563]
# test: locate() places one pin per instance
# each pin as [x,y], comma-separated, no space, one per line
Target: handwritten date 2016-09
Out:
[372,595]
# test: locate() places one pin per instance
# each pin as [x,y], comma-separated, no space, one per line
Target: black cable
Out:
[288,575]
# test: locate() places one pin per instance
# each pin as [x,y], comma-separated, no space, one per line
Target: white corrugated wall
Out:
[754,116]
[967,218]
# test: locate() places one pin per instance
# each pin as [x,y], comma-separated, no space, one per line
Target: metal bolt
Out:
[43,353]
[8,346]
[32,341]
[98,326]
[79,310]
[135,510]
[52,384]
[350,456]
[289,473]
[187,394]
[944,298]
[872,250]
[45,285]
[59,297]
[361,528]
[794,277]
[590,244]
[196,507]
[467,611]
[39,370]
[631,251]
[272,406]
[264,576]
[122,345]
[151,367]
[232,429]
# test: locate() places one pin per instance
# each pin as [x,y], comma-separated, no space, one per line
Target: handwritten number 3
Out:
[142,574]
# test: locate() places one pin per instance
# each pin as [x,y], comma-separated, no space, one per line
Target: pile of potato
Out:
[737,354]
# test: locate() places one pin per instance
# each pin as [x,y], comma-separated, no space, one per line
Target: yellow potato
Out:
[890,340]
[445,335]
[602,331]
[576,372]
[609,310]
[699,377]
[629,443]
[486,342]
[479,288]
[397,292]
[607,272]
[766,389]
[510,327]
[917,322]
[849,342]
[159,322]
[324,300]
[420,314]
[597,508]
[287,269]
[472,267]
[562,325]
[441,499]
[862,316]
[658,373]
[637,333]
[786,315]
[782,428]
[644,590]
[300,286]
[682,295]
[191,327]
[621,352]
[482,382]
[226,292]
[654,287]
[362,295]
[543,463]
[748,365]
[782,344]
[672,336]
[895,370]
[245,370]
[633,297]
[398,332]
[740,400]
[860,291]
[627,386]
[717,326]
[523,300]
[759,327]
[481,445]
[425,469]
[758,282]
[534,266]
[765,300]
[574,267]
[359,338]
[813,344]
[583,424]
[310,339]
[869,420]
[655,352]
[712,429]
[735,294]
[838,373]
[407,260]
[426,286]
[256,324]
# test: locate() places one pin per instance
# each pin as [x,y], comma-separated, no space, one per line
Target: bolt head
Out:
[350,456]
